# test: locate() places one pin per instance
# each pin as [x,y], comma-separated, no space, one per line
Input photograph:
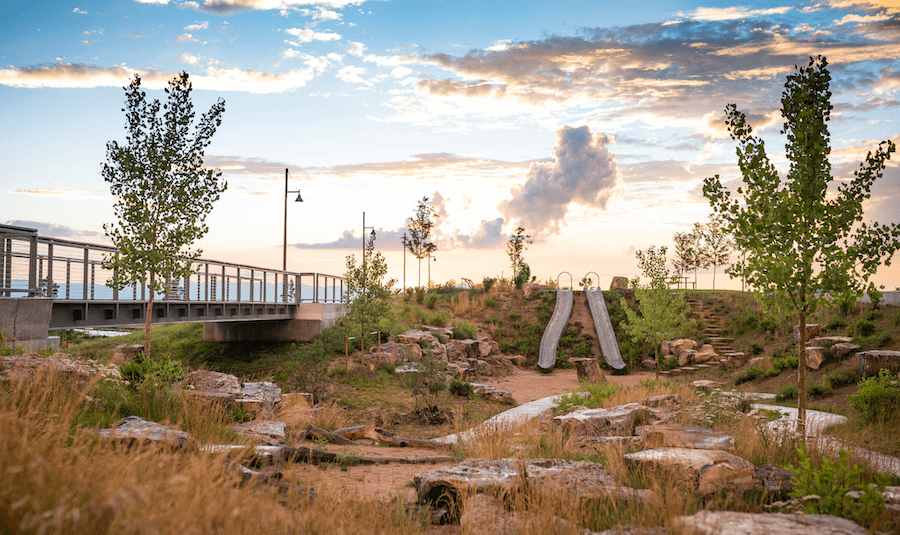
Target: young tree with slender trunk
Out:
[716,245]
[802,241]
[515,248]
[420,227]
[661,313]
[163,193]
[366,293]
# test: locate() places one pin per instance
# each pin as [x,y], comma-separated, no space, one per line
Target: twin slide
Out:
[602,325]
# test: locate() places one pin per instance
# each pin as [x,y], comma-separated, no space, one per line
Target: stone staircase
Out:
[712,330]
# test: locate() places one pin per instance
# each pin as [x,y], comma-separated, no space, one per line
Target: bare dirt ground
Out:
[393,481]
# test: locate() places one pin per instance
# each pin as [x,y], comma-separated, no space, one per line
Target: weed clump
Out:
[878,397]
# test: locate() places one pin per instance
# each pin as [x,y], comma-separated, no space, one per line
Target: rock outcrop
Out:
[716,522]
[712,470]
[135,430]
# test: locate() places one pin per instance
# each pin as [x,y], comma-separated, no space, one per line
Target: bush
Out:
[439,318]
[591,396]
[839,378]
[420,295]
[461,388]
[877,397]
[787,362]
[790,391]
[488,283]
[831,482]
[767,325]
[836,324]
[431,300]
[467,329]
[820,390]
[863,327]
[582,349]
[752,373]
[756,349]
[163,371]
[490,302]
[668,363]
[562,361]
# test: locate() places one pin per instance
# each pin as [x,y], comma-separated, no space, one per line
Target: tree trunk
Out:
[149,316]
[801,377]
[656,352]
[319,433]
[370,432]
[714,277]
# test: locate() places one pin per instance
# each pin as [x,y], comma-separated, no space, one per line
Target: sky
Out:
[590,123]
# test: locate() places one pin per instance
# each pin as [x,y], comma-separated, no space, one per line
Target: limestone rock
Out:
[517,360]
[213,386]
[826,341]
[484,514]
[758,362]
[706,385]
[738,358]
[25,367]
[417,337]
[579,480]
[706,353]
[467,349]
[265,392]
[713,470]
[815,356]
[265,431]
[715,522]
[393,352]
[843,350]
[589,370]
[493,393]
[664,402]
[619,283]
[125,352]
[674,347]
[459,370]
[686,356]
[501,367]
[872,362]
[617,421]
[812,330]
[774,479]
[133,429]
[480,367]
[484,348]
[533,290]
[685,436]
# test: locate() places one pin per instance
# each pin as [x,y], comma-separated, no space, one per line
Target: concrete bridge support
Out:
[310,319]
[26,322]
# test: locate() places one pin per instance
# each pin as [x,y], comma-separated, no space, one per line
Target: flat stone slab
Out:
[493,393]
[266,431]
[215,386]
[871,362]
[136,429]
[578,480]
[267,393]
[716,522]
[714,470]
[617,421]
[686,436]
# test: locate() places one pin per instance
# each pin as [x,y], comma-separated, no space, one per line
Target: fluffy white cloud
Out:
[305,35]
[351,74]
[188,58]
[186,37]
[734,13]
[197,26]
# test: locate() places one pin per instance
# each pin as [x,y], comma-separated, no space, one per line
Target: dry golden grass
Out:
[462,305]
[60,478]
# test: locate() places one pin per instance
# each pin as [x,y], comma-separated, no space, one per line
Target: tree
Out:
[690,252]
[420,227]
[801,241]
[716,245]
[366,294]
[516,246]
[163,193]
[661,314]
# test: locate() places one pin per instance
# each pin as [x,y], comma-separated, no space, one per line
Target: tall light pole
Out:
[404,263]
[298,199]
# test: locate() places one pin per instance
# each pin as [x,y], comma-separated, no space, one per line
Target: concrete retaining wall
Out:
[890,298]
[310,319]
[26,322]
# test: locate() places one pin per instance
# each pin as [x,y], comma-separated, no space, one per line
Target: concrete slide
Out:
[603,328]
[561,314]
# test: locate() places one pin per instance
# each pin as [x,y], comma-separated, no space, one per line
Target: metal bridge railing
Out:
[65,270]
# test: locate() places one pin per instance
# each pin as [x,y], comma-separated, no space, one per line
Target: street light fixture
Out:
[298,199]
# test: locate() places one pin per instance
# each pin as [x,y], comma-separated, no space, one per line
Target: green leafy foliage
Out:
[863,327]
[798,244]
[461,388]
[832,481]
[431,300]
[515,248]
[159,371]
[367,294]
[420,227]
[877,397]
[163,192]
[590,395]
[488,283]
[839,378]
[490,302]
[753,373]
[787,392]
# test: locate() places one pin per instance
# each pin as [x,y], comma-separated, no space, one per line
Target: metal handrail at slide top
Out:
[32,266]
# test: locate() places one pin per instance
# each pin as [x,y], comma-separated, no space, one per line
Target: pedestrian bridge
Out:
[50,283]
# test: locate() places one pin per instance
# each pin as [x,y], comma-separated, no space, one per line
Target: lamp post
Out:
[298,199]
[429,269]
[404,262]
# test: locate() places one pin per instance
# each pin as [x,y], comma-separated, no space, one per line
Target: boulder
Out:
[264,431]
[459,370]
[674,347]
[266,393]
[828,341]
[686,356]
[417,337]
[517,360]
[843,350]
[533,290]
[467,349]
[212,386]
[125,352]
[393,352]
[872,362]
[480,367]
[685,436]
[617,421]
[712,470]
[484,348]
[619,283]
[25,367]
[559,477]
[589,370]
[501,367]
[493,393]
[664,402]
[706,353]
[485,514]
[774,480]
[738,358]
[812,330]
[715,522]
[758,362]
[133,429]
[706,385]
[815,356]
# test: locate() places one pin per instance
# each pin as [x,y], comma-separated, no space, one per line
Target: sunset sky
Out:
[590,123]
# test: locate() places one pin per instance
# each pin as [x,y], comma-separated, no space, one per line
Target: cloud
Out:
[355,48]
[160,2]
[215,77]
[188,58]
[733,13]
[305,35]
[351,74]
[284,6]
[79,11]
[186,37]
[197,26]
[64,193]
[385,240]
[862,18]
[239,167]
[440,205]
[488,235]
[52,230]
[583,171]
[290,53]
[320,14]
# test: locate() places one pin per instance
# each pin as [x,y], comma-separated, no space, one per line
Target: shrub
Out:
[863,327]
[836,323]
[767,325]
[819,390]
[490,302]
[582,349]
[163,371]
[789,391]
[591,396]
[752,373]
[515,314]
[668,363]
[877,397]
[882,339]
[562,361]
[420,295]
[756,349]
[461,388]
[439,318]
[831,482]
[468,330]
[488,283]
[787,362]
[431,300]
[839,378]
